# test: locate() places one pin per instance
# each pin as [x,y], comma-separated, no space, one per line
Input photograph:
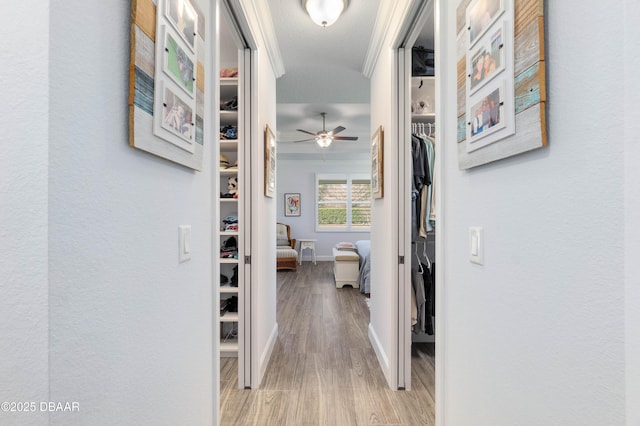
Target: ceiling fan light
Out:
[325,12]
[324,141]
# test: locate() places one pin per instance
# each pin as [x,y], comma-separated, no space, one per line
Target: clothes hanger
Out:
[424,252]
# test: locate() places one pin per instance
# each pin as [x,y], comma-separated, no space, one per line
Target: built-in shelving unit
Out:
[423,99]
[229,149]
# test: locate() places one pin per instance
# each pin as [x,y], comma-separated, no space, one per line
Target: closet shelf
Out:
[229,348]
[229,145]
[228,81]
[424,118]
[229,317]
[228,260]
[227,289]
[227,233]
[228,200]
[224,172]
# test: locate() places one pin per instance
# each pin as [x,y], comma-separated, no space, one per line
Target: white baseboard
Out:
[380,354]
[266,355]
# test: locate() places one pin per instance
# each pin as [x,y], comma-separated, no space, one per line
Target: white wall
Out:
[130,327]
[23,209]
[632,208]
[536,335]
[264,325]
[300,176]
[384,225]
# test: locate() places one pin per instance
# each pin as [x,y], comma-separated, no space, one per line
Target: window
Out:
[343,203]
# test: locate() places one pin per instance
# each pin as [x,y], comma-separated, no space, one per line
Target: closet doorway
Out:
[233,200]
[418,143]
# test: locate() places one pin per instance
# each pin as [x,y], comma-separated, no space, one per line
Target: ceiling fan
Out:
[324,138]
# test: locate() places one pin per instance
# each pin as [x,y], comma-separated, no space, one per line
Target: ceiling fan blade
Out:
[302,140]
[304,131]
[345,138]
[337,130]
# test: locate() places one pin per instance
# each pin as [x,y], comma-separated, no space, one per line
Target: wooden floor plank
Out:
[323,370]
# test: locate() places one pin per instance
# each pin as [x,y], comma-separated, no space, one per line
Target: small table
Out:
[307,243]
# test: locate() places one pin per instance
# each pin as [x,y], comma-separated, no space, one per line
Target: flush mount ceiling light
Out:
[325,12]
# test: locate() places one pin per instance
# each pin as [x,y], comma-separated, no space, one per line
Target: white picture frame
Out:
[491,115]
[487,59]
[178,63]
[480,16]
[184,18]
[174,118]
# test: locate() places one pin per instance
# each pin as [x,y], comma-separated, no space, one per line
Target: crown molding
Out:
[258,17]
[390,24]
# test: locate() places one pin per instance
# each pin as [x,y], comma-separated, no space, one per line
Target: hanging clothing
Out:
[429,299]
[423,146]
[417,282]
[414,309]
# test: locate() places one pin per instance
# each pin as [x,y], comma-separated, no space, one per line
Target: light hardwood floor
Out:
[323,370]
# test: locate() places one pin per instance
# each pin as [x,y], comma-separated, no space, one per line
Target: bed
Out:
[364,252]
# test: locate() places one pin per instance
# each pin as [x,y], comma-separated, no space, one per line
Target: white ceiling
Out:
[323,73]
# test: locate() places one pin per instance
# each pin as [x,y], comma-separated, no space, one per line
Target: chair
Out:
[286,254]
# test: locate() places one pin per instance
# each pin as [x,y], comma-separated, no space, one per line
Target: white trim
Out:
[213,96]
[380,30]
[266,356]
[390,22]
[402,64]
[258,16]
[443,77]
[383,360]
[324,258]
[246,334]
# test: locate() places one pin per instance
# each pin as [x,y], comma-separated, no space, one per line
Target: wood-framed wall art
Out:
[269,162]
[490,116]
[377,163]
[504,38]
[292,206]
[166,80]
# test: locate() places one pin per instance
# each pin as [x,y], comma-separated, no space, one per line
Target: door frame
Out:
[414,20]
[231,11]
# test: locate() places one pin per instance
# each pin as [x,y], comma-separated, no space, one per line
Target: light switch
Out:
[476,252]
[185,243]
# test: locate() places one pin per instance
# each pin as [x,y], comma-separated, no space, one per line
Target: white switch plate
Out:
[476,245]
[185,243]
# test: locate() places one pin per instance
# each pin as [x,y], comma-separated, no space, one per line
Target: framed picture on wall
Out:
[487,59]
[292,204]
[480,15]
[377,165]
[491,111]
[269,163]
[175,121]
[178,64]
[184,18]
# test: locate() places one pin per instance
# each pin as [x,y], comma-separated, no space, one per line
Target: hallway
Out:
[323,370]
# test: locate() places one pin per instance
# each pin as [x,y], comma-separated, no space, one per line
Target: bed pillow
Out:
[346,246]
